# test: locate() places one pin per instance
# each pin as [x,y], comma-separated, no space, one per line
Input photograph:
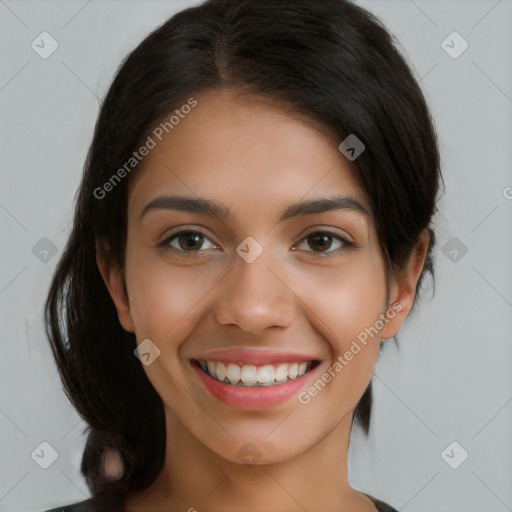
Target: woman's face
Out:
[263,286]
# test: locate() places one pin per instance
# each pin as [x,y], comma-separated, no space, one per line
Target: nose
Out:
[255,296]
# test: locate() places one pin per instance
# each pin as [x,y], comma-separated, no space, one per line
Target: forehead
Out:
[246,150]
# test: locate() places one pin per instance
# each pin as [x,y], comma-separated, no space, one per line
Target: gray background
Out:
[450,380]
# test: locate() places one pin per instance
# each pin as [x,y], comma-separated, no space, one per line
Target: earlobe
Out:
[113,277]
[403,287]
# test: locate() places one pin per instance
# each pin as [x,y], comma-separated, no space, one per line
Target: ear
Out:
[402,288]
[113,276]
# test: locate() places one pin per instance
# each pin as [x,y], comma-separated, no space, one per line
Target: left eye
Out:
[319,241]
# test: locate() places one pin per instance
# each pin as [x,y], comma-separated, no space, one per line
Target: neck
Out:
[194,477]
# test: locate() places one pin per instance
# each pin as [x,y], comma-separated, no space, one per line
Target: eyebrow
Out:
[219,210]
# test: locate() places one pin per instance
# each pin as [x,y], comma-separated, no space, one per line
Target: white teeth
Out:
[281,373]
[221,371]
[293,371]
[250,375]
[233,373]
[266,374]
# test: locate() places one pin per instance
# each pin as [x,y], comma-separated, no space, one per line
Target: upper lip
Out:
[256,357]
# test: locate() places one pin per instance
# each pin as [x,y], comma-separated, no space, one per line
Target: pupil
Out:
[190,240]
[324,241]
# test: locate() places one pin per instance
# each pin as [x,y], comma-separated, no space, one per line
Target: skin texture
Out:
[256,158]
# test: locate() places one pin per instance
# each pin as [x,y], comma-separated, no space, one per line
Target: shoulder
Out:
[88,506]
[381,506]
[82,506]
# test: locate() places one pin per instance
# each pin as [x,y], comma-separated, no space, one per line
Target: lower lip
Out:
[253,397]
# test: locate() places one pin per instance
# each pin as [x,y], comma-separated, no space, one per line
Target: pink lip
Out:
[257,397]
[254,357]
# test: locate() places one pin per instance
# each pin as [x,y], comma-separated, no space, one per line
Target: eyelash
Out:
[346,244]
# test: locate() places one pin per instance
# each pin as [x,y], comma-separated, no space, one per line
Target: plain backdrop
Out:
[450,381]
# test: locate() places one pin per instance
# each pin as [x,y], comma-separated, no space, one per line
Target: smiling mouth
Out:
[255,376]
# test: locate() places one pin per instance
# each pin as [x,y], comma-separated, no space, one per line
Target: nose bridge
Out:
[255,296]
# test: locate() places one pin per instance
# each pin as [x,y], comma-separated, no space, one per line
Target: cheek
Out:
[349,304]
[164,297]
[351,300]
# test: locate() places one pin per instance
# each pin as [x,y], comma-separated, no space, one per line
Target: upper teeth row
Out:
[250,375]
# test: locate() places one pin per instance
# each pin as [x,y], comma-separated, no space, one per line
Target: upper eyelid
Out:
[180,231]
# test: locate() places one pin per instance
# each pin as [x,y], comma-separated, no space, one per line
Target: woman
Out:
[253,220]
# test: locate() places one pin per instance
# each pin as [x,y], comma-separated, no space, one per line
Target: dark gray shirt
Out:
[90,506]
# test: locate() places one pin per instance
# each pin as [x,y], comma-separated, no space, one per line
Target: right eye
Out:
[186,242]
